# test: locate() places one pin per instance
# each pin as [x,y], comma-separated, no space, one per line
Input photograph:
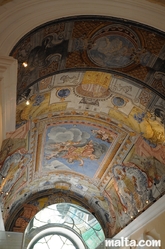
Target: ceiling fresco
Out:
[93,133]
[124,48]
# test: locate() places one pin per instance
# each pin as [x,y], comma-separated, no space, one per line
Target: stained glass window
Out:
[65,226]
[54,241]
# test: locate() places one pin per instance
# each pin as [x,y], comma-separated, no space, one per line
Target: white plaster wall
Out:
[10,240]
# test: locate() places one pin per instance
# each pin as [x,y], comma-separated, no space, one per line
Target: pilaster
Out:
[8,83]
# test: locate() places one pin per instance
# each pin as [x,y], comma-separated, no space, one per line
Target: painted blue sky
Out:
[77,136]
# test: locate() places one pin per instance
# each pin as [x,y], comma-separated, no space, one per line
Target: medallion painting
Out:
[94,86]
[76,147]
[132,51]
[113,46]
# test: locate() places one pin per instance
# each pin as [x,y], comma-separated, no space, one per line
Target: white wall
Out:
[10,240]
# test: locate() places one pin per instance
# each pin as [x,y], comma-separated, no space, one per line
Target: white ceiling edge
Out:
[19,17]
[143,219]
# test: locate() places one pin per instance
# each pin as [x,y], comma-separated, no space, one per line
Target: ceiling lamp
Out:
[2,176]
[25,64]
[27,102]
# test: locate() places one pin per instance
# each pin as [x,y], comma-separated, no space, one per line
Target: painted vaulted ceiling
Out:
[94,131]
